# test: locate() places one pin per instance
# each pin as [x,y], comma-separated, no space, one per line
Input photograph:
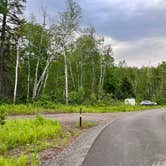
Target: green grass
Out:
[24,132]
[97,109]
[59,108]
[11,109]
[21,161]
[86,124]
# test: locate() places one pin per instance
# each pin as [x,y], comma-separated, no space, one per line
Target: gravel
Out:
[76,152]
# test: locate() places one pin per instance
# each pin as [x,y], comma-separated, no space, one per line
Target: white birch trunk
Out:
[72,77]
[81,81]
[42,76]
[93,77]
[66,79]
[45,81]
[16,75]
[101,77]
[28,79]
[35,87]
[36,79]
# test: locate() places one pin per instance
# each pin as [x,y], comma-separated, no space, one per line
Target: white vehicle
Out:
[148,102]
[130,101]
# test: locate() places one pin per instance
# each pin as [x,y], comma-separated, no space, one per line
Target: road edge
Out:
[76,153]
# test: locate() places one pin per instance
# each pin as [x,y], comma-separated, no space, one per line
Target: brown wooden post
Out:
[80,117]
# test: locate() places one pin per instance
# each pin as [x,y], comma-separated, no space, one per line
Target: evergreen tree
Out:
[10,17]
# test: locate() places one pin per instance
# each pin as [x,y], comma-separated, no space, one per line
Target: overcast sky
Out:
[135,28]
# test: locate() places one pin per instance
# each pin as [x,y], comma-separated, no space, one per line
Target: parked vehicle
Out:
[148,102]
[130,101]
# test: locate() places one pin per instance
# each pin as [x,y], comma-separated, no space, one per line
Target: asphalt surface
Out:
[136,140]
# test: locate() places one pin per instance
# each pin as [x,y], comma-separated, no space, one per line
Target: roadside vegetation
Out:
[31,109]
[30,135]
[23,140]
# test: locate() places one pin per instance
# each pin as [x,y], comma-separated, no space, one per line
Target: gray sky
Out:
[135,28]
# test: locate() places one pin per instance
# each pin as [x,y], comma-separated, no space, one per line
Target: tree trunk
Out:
[41,79]
[35,88]
[16,75]
[81,79]
[101,78]
[102,85]
[45,81]
[36,79]
[66,79]
[3,34]
[93,77]
[72,77]
[28,79]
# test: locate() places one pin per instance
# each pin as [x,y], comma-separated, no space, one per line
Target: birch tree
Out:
[64,31]
[16,72]
[106,60]
[35,87]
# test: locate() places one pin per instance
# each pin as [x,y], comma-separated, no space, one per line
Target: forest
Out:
[64,63]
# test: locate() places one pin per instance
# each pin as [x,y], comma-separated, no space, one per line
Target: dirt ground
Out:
[70,118]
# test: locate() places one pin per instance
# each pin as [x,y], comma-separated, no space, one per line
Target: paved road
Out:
[137,140]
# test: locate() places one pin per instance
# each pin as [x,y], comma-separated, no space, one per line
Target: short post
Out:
[80,117]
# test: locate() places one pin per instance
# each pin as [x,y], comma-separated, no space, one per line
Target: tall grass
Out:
[22,132]
[59,108]
[18,109]
[21,161]
[50,107]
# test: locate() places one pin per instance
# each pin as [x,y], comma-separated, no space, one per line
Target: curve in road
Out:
[137,140]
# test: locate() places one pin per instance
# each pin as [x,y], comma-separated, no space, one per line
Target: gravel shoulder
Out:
[76,152]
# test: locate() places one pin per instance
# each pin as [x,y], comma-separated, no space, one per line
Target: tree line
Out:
[66,64]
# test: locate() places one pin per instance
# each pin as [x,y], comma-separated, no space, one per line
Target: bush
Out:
[93,99]
[76,97]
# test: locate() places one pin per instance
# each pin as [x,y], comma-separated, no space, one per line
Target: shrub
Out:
[76,97]
[93,99]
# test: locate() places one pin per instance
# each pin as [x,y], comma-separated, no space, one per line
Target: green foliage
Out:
[92,76]
[21,161]
[21,132]
[18,109]
[126,89]
[86,124]
[2,116]
[77,97]
[109,105]
[93,99]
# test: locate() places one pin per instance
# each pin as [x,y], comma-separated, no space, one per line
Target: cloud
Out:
[136,28]
[143,52]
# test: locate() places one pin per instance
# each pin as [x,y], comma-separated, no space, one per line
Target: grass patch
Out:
[21,161]
[21,141]
[59,108]
[86,124]
[25,132]
[11,109]
[35,108]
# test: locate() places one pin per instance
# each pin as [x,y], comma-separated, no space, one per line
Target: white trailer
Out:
[130,101]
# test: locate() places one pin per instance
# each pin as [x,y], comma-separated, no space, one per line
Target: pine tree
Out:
[10,17]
